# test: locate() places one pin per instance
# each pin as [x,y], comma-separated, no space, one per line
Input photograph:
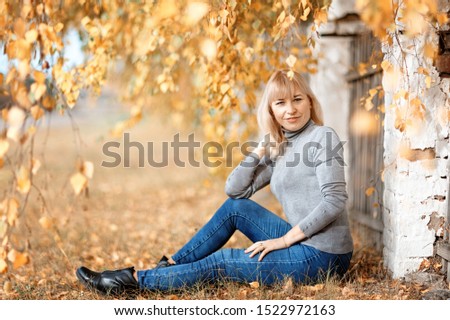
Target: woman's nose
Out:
[290,107]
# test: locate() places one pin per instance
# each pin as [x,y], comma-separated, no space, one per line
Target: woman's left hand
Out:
[266,246]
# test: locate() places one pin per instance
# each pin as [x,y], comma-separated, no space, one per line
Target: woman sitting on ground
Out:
[305,170]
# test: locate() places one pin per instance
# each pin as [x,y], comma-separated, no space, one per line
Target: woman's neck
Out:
[292,134]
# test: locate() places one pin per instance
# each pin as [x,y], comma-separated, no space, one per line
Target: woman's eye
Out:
[298,99]
[279,103]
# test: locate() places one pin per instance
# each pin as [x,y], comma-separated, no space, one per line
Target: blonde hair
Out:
[281,86]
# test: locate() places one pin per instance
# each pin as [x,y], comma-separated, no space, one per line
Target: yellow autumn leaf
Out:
[166,9]
[281,17]
[368,105]
[10,208]
[85,21]
[209,49]
[36,112]
[88,169]
[19,28]
[370,191]
[38,90]
[428,81]
[39,77]
[442,18]
[16,117]
[286,3]
[46,222]
[48,103]
[18,259]
[3,228]
[223,14]
[386,65]
[422,70]
[362,68]
[416,102]
[7,286]
[305,14]
[320,16]
[290,61]
[23,50]
[224,88]
[290,74]
[31,130]
[195,11]
[429,50]
[164,87]
[3,266]
[35,165]
[31,35]
[78,182]
[26,9]
[401,94]
[59,27]
[4,146]
[23,180]
[40,9]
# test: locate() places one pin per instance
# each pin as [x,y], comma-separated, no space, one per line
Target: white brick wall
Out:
[414,189]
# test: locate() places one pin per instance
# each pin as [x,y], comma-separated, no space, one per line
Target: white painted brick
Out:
[401,267]
[414,186]
[442,148]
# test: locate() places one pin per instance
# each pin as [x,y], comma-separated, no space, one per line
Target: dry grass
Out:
[133,216]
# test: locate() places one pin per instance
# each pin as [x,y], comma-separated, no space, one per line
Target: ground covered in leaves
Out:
[133,216]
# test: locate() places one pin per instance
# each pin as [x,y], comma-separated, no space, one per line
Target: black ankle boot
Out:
[109,282]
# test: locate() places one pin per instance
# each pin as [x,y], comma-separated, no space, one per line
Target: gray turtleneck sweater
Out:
[308,180]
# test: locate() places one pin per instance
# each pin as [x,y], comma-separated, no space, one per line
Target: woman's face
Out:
[292,113]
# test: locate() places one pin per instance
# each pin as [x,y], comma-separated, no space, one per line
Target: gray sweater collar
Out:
[291,135]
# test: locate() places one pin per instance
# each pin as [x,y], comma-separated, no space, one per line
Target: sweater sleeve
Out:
[328,162]
[251,175]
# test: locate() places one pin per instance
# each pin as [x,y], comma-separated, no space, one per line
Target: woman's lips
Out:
[292,119]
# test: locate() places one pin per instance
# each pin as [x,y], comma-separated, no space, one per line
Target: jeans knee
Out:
[238,207]
[237,204]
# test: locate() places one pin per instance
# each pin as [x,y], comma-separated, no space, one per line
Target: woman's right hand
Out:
[265,147]
[260,149]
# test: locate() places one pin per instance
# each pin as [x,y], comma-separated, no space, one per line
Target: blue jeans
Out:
[200,260]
